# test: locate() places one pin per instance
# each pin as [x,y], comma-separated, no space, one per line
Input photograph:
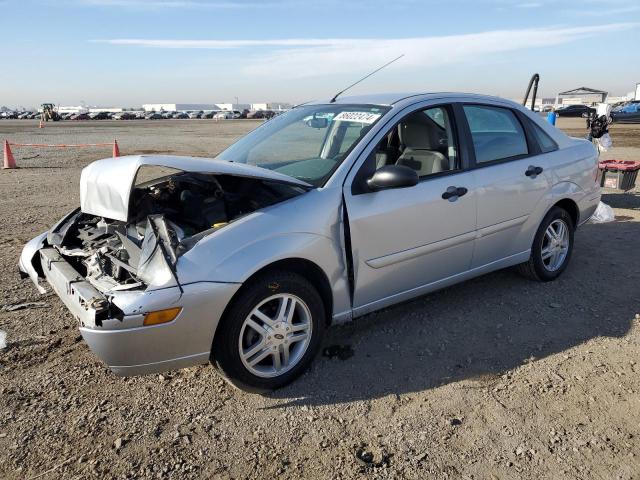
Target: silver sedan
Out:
[325,213]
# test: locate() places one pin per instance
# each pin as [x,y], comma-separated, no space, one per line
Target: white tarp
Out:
[603,214]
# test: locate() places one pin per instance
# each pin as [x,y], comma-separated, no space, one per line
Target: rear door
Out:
[405,239]
[511,180]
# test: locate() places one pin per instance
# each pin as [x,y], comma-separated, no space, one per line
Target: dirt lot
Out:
[495,378]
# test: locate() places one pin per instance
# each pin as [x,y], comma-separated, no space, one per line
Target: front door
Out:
[405,239]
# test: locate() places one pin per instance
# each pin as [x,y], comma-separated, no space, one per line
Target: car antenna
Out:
[333,100]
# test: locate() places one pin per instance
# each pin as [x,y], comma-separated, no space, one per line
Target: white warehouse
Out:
[179,107]
[196,107]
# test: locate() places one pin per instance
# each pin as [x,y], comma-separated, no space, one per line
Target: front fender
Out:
[307,227]
[243,262]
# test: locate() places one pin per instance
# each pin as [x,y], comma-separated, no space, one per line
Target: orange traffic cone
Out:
[41,125]
[116,150]
[9,161]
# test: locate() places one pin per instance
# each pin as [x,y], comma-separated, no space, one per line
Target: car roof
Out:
[394,98]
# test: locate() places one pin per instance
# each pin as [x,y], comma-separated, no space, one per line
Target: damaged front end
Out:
[117,258]
[90,260]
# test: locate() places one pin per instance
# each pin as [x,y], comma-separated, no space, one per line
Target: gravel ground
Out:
[497,378]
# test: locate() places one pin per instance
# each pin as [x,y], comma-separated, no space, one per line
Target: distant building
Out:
[84,109]
[228,107]
[583,96]
[215,107]
[70,109]
[622,98]
[106,109]
[180,107]
[256,107]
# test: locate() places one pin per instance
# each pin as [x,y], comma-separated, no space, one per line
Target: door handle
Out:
[453,193]
[533,171]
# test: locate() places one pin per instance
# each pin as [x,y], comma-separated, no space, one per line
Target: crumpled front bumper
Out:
[27,257]
[113,326]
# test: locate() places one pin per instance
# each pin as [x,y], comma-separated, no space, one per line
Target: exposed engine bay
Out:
[168,216]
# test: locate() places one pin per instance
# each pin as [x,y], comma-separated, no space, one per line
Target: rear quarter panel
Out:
[573,175]
[572,172]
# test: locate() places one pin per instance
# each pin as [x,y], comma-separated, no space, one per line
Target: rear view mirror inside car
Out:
[318,122]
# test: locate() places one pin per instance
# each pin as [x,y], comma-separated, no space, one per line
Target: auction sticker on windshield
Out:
[360,117]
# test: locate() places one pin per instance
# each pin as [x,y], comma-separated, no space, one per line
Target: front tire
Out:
[271,332]
[552,247]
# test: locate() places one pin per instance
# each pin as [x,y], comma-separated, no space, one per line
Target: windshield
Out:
[308,142]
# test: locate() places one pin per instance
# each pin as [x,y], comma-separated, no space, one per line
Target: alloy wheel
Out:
[555,245]
[275,335]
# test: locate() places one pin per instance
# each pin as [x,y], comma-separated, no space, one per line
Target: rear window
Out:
[496,132]
[545,142]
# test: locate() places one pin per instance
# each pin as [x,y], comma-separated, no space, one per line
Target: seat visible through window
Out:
[422,141]
[420,151]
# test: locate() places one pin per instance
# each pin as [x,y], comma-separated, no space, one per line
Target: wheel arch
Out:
[303,267]
[571,207]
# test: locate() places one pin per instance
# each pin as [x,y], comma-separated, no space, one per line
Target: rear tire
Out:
[552,247]
[277,311]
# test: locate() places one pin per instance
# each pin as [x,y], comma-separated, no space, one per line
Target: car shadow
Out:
[629,200]
[481,328]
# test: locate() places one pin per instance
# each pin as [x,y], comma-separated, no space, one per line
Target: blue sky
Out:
[115,52]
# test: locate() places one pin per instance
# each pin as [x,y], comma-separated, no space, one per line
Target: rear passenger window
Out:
[496,132]
[545,142]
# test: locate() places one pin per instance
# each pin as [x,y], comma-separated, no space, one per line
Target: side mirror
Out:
[318,122]
[392,176]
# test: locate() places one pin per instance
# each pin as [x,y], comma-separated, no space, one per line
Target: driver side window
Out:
[423,141]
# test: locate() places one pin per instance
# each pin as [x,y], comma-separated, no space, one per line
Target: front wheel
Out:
[271,332]
[552,247]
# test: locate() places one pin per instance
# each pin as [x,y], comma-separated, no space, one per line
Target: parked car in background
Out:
[153,116]
[195,114]
[100,116]
[330,211]
[223,115]
[181,115]
[124,116]
[255,114]
[627,113]
[575,111]
[80,116]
